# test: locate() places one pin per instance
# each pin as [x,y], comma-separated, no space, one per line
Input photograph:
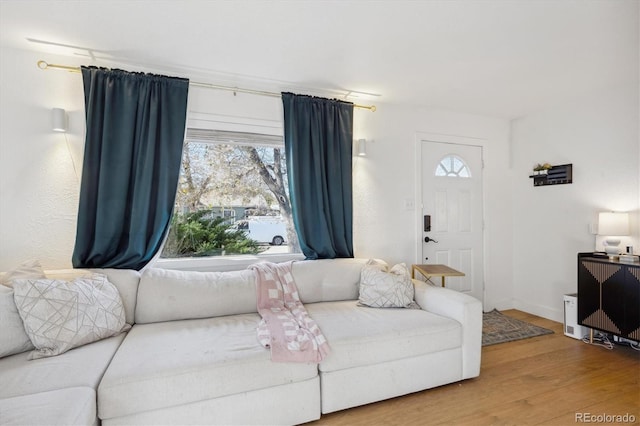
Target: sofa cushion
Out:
[290,404]
[126,280]
[72,406]
[168,295]
[327,279]
[83,366]
[179,362]
[13,337]
[359,335]
[61,315]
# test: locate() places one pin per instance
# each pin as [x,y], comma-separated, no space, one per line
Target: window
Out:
[452,166]
[232,198]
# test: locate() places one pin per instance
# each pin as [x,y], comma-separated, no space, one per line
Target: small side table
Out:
[435,271]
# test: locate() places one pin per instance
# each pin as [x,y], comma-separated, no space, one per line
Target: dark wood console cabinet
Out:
[609,295]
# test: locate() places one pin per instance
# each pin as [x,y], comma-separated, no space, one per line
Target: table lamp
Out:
[612,226]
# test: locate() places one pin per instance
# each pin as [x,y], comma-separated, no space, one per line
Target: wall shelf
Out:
[557,175]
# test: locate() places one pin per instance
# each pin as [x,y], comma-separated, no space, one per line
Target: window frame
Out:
[222,263]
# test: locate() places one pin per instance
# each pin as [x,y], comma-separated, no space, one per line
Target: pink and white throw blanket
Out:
[286,327]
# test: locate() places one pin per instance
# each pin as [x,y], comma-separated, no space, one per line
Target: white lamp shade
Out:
[59,120]
[613,224]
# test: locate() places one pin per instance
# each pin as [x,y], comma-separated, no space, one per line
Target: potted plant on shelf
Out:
[537,169]
[541,169]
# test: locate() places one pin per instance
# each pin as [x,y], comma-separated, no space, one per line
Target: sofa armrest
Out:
[465,309]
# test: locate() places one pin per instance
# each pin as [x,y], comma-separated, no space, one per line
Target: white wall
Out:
[38,184]
[598,134]
[39,188]
[532,234]
[40,169]
[386,177]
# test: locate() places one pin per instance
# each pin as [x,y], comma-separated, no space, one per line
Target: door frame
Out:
[452,139]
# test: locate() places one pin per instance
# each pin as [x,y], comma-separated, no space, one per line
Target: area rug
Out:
[500,328]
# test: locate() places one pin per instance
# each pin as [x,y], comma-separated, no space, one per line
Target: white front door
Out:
[452,198]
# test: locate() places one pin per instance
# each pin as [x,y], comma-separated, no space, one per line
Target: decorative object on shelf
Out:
[541,169]
[537,169]
[629,258]
[612,226]
[546,174]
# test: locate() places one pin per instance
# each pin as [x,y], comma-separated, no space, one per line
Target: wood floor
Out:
[546,380]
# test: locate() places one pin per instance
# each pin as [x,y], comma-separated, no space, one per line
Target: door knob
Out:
[427,240]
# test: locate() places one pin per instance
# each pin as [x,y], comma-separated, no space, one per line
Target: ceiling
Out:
[503,58]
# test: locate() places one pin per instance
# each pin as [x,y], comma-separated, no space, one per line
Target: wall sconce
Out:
[362,147]
[613,226]
[59,120]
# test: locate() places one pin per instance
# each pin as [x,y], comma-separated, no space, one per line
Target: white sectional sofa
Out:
[62,389]
[192,356]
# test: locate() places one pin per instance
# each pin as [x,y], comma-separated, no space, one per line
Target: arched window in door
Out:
[452,166]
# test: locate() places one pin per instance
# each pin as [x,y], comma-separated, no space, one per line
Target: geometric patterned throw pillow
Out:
[61,315]
[382,288]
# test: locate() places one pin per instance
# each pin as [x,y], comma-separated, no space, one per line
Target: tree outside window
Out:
[231,197]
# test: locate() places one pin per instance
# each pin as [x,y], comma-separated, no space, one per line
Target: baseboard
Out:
[541,311]
[500,305]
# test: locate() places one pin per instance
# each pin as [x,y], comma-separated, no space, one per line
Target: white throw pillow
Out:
[381,287]
[61,315]
[13,338]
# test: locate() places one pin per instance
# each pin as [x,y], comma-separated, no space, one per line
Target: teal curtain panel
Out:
[318,135]
[135,131]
